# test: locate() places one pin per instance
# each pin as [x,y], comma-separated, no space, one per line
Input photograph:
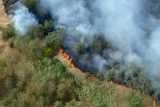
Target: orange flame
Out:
[154,104]
[67,58]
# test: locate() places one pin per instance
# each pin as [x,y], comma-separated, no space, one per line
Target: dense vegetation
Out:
[32,76]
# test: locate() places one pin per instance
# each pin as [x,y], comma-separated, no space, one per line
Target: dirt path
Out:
[4,46]
[4,21]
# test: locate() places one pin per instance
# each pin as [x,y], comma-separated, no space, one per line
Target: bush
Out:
[35,31]
[133,76]
[98,95]
[10,82]
[115,74]
[136,78]
[3,64]
[47,26]
[9,32]
[135,100]
[30,47]
[72,103]
[30,4]
[48,52]
[53,40]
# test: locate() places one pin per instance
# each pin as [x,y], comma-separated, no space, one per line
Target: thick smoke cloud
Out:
[22,18]
[130,26]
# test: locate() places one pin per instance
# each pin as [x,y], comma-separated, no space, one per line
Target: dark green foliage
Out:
[9,32]
[46,66]
[72,103]
[48,52]
[135,100]
[134,77]
[35,31]
[53,40]
[47,27]
[38,79]
[3,64]
[31,47]
[115,74]
[98,95]
[30,4]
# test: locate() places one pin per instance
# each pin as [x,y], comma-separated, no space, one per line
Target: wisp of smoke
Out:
[22,19]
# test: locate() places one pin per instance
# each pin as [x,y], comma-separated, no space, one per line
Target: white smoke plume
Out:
[126,24]
[22,19]
[132,26]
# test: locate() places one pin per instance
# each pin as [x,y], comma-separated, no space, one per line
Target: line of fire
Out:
[70,61]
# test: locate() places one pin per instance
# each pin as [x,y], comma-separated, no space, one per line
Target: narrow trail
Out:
[4,46]
[4,21]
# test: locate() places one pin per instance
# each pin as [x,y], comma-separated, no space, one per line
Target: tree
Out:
[35,31]
[31,4]
[47,26]
[135,100]
[53,40]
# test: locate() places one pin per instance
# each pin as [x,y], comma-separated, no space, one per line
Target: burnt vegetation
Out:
[34,77]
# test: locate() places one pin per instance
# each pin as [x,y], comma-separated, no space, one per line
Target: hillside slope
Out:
[120,91]
[4,21]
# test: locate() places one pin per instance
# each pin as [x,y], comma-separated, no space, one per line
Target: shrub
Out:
[98,95]
[9,32]
[58,104]
[30,4]
[10,82]
[133,76]
[66,90]
[80,48]
[30,47]
[72,103]
[135,100]
[3,64]
[35,31]
[53,40]
[48,52]
[47,26]
[115,74]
